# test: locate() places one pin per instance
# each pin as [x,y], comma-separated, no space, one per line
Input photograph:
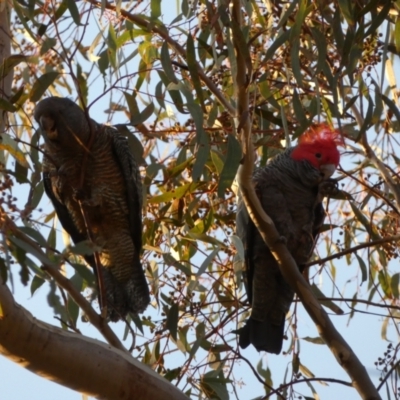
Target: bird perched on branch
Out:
[92,179]
[291,188]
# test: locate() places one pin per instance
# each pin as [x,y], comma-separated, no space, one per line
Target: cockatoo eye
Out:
[318,155]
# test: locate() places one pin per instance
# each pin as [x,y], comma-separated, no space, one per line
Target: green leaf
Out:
[289,12]
[34,234]
[112,46]
[207,262]
[237,242]
[51,240]
[148,52]
[26,247]
[11,146]
[200,333]
[172,374]
[37,195]
[214,387]
[82,248]
[36,283]
[218,163]
[179,168]
[20,11]
[363,268]
[54,300]
[155,9]
[324,301]
[232,161]
[142,116]
[11,62]
[192,65]
[73,9]
[295,32]
[397,35]
[172,320]
[392,106]
[61,10]
[365,222]
[6,105]
[354,57]
[138,323]
[83,87]
[275,45]
[73,310]
[132,104]
[41,85]
[170,260]
[394,285]
[103,62]
[173,92]
[268,116]
[128,36]
[377,21]
[295,363]
[384,281]
[166,63]
[21,173]
[295,60]
[347,11]
[175,193]
[298,110]
[321,44]
[204,238]
[201,155]
[316,340]
[85,272]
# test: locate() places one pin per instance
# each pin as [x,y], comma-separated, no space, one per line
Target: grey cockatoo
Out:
[93,181]
[290,188]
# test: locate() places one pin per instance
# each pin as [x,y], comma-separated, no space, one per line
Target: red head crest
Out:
[322,133]
[318,145]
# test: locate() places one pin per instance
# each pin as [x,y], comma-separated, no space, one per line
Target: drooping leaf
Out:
[232,161]
[42,84]
[172,320]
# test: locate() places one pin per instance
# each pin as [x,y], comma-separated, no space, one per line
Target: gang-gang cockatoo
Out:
[93,181]
[291,188]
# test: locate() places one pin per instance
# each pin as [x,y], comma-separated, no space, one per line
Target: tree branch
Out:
[341,350]
[80,363]
[7,226]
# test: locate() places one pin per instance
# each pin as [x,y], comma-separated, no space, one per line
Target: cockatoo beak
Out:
[327,170]
[47,124]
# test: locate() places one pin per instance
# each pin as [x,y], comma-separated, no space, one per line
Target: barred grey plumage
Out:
[90,165]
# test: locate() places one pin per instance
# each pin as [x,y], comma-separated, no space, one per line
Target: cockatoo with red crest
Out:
[291,188]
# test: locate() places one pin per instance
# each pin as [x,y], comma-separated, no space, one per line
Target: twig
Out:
[353,250]
[394,366]
[151,27]
[369,153]
[290,384]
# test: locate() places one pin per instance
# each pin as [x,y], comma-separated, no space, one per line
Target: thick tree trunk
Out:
[5,52]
